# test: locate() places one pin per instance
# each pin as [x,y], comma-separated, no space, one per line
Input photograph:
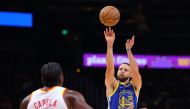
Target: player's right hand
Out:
[109,36]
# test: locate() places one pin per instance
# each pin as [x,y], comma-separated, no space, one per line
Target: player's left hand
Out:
[130,42]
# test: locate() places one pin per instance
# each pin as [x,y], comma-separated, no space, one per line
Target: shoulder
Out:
[137,90]
[74,99]
[26,99]
[75,95]
[25,102]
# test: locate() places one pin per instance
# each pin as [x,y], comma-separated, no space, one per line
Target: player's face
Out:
[123,73]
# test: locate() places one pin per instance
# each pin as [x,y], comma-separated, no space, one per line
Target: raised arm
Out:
[136,77]
[110,80]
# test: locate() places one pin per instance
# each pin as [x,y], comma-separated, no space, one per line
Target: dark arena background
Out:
[65,30]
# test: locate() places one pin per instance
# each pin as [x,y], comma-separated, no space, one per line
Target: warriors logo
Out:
[125,100]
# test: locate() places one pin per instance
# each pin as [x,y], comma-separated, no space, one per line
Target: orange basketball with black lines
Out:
[109,16]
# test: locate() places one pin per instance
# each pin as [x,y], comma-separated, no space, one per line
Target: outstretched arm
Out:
[136,77]
[110,80]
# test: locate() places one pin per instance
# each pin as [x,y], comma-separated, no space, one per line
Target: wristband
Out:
[128,49]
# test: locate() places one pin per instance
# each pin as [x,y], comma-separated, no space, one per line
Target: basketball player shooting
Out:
[123,92]
[52,95]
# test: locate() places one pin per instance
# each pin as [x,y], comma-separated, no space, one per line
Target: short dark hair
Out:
[51,73]
[125,63]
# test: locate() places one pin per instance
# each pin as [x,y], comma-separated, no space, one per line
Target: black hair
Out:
[51,73]
[125,63]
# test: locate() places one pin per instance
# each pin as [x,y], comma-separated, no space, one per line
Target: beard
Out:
[122,79]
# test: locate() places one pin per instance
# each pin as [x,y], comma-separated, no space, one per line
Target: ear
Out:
[61,78]
[42,79]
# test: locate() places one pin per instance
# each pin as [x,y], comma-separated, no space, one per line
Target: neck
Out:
[45,88]
[125,82]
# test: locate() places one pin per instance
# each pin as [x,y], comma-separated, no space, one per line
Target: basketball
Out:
[109,16]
